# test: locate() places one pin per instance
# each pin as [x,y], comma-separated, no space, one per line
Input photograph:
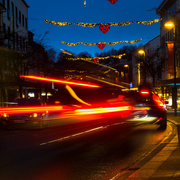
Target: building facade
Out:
[13,46]
[165,50]
[169,11]
[14,24]
[146,63]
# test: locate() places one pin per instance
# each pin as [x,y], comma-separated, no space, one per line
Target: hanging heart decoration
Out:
[112,1]
[101,46]
[96,60]
[104,28]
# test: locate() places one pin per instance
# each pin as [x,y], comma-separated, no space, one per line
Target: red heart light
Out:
[104,28]
[101,46]
[96,60]
[112,1]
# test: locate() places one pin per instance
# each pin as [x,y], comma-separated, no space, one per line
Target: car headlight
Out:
[5,115]
[35,115]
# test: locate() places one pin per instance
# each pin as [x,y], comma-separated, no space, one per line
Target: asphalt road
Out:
[77,151]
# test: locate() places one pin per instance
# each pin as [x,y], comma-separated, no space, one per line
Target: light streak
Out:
[60,81]
[73,94]
[33,109]
[101,110]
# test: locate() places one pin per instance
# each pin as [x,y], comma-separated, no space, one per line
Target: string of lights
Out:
[100,43]
[149,22]
[99,58]
[98,24]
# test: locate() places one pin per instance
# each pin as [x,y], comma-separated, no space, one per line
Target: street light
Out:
[127,74]
[171,25]
[142,53]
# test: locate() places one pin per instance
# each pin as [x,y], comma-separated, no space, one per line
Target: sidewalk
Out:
[164,164]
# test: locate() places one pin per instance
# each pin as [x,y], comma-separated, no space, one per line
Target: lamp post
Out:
[127,76]
[143,53]
[171,25]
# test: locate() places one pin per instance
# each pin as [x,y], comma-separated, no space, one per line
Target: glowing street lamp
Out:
[142,53]
[171,25]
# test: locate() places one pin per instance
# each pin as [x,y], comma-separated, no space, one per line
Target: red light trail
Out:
[33,109]
[60,81]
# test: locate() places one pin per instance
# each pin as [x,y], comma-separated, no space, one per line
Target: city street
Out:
[98,154]
[89,90]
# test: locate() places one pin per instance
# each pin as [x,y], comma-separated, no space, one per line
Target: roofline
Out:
[162,5]
[25,3]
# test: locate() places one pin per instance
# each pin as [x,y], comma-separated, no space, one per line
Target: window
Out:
[12,7]
[19,17]
[23,20]
[3,3]
[8,10]
[26,26]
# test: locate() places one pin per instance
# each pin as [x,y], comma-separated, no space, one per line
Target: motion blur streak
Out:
[73,94]
[159,102]
[25,110]
[60,81]
[101,110]
[73,135]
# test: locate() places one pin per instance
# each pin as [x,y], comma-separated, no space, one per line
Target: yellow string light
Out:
[100,58]
[149,22]
[94,44]
[58,23]
[98,24]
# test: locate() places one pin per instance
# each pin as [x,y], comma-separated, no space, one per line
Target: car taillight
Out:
[57,102]
[144,92]
[158,101]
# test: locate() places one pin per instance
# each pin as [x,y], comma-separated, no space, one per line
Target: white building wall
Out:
[16,22]
[149,48]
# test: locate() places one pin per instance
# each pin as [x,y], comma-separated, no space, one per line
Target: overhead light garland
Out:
[96,59]
[58,23]
[93,62]
[104,27]
[149,22]
[98,24]
[101,45]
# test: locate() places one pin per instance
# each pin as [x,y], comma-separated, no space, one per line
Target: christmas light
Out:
[99,24]
[95,44]
[58,23]
[149,22]
[99,58]
[106,24]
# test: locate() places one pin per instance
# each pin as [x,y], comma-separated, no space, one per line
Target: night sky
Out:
[95,11]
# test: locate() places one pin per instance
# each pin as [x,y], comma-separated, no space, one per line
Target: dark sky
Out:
[95,11]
